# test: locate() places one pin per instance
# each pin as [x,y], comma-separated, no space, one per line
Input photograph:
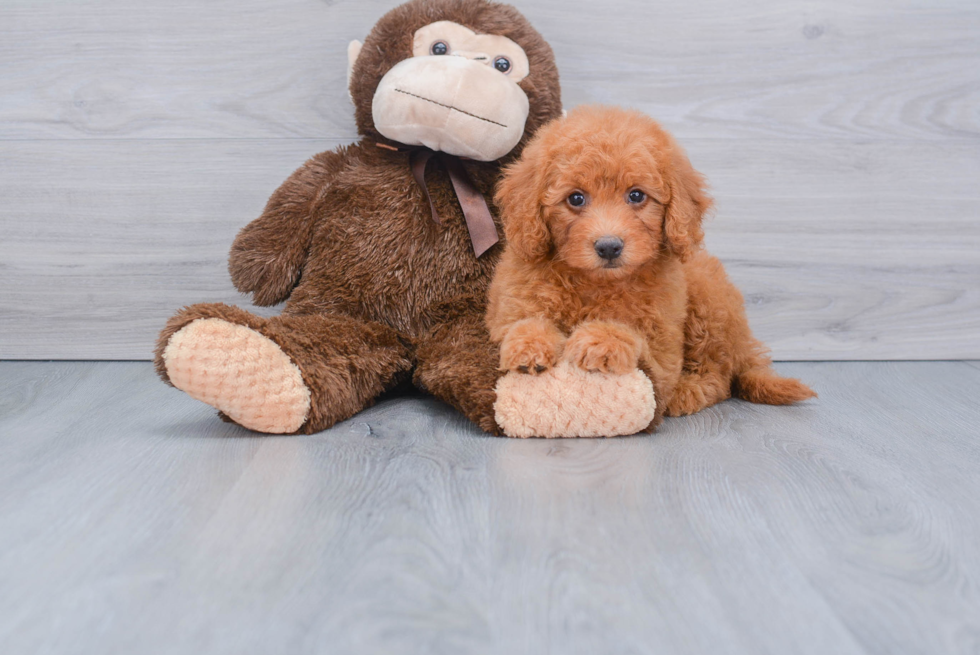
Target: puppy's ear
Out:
[687,206]
[519,197]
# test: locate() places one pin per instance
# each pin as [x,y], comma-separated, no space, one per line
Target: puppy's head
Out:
[603,191]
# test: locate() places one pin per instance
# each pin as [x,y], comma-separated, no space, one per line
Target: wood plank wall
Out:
[841,138]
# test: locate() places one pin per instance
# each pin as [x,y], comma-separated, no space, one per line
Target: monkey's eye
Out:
[636,196]
[577,199]
[439,48]
[502,64]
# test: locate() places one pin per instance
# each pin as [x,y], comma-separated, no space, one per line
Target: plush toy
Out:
[383,250]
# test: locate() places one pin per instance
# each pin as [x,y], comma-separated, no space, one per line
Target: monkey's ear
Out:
[687,206]
[519,197]
[353,51]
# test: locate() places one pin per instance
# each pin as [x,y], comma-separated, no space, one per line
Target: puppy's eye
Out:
[577,199]
[636,196]
[502,64]
[439,48]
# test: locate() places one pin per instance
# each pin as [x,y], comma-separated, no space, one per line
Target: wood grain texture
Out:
[247,68]
[98,255]
[841,142]
[132,520]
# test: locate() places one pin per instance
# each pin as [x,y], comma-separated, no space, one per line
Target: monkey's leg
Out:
[281,375]
[567,401]
[458,363]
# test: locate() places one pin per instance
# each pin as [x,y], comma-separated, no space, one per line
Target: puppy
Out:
[603,268]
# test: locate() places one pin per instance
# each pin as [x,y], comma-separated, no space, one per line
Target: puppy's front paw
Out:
[530,347]
[603,348]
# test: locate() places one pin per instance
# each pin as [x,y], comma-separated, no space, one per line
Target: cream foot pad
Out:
[239,371]
[569,402]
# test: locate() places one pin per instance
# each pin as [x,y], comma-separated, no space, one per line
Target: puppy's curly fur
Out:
[604,267]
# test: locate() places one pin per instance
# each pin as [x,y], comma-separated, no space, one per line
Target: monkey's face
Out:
[457,94]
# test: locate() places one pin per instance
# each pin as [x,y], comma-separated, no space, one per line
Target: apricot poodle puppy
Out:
[604,268]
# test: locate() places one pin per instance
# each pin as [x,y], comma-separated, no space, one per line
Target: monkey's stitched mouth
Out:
[450,107]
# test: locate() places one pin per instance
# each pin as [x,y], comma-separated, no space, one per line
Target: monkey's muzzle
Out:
[452,105]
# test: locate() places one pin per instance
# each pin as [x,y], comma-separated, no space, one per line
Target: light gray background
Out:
[841,139]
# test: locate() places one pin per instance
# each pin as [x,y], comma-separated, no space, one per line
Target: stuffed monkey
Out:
[382,250]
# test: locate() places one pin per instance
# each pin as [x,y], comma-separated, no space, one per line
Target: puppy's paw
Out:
[687,399]
[532,346]
[603,348]
[530,357]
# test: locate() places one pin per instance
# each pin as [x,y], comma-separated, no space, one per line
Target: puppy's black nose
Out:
[609,247]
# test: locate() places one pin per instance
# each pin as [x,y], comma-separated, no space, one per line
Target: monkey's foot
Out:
[567,401]
[240,372]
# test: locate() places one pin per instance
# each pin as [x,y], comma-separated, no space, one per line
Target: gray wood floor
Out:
[133,521]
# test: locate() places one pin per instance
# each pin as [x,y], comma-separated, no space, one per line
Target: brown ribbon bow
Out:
[479,221]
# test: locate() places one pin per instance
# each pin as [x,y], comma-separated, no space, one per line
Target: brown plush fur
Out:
[664,305]
[374,288]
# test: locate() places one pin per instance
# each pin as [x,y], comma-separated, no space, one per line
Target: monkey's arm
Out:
[269,253]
